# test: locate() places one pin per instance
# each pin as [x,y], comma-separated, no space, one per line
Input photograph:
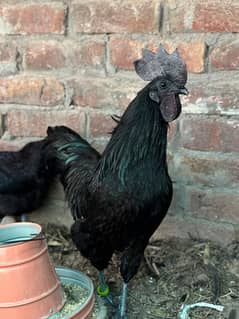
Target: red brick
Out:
[100,144]
[210,134]
[216,16]
[202,16]
[88,53]
[213,94]
[225,56]
[8,51]
[124,51]
[31,90]
[207,169]
[215,205]
[53,54]
[192,52]
[8,56]
[10,145]
[103,93]
[100,124]
[52,92]
[104,16]
[34,123]
[32,18]
[172,131]
[177,14]
[184,227]
[44,55]
[89,93]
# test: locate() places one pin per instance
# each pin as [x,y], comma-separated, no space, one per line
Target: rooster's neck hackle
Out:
[141,135]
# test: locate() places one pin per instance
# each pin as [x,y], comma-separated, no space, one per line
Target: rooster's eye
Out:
[163,85]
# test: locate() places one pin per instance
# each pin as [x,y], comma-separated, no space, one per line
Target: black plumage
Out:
[119,198]
[24,179]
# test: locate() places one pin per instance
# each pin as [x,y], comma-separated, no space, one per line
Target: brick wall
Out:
[70,62]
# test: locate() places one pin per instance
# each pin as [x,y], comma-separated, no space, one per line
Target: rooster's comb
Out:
[152,65]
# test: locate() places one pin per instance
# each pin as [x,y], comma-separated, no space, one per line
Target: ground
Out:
[174,272]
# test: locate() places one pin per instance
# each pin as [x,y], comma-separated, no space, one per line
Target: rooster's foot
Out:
[119,316]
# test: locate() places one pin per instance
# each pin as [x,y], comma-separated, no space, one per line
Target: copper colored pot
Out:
[30,288]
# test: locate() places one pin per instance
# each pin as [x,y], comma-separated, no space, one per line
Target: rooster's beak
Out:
[183,91]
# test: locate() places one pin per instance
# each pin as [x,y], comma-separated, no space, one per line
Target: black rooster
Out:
[120,198]
[24,179]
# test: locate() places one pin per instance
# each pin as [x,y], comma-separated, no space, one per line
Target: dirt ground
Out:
[175,272]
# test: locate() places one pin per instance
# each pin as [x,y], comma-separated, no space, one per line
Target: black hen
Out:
[120,198]
[24,179]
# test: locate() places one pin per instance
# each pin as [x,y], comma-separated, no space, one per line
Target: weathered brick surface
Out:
[89,52]
[215,94]
[215,205]
[29,123]
[106,16]
[177,14]
[216,16]
[10,145]
[100,144]
[124,51]
[31,90]
[100,124]
[32,18]
[102,93]
[8,51]
[172,131]
[8,56]
[208,169]
[210,134]
[45,55]
[203,16]
[225,55]
[198,228]
[90,93]
[51,54]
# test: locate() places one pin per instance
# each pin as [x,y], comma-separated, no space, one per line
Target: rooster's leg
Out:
[121,314]
[103,289]
[130,262]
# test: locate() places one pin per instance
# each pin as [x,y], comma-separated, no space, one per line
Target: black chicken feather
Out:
[24,179]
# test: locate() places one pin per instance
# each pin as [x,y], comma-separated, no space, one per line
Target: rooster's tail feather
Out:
[66,146]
